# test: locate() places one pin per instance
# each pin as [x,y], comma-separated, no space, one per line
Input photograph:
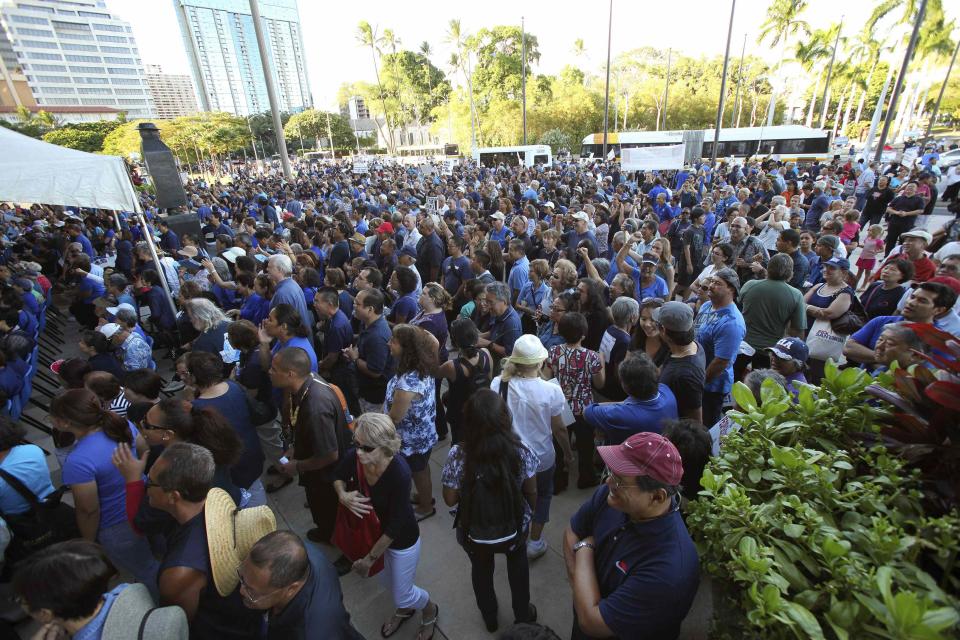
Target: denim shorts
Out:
[541,512]
[418,461]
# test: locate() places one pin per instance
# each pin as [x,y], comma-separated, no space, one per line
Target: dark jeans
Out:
[322,500]
[867,219]
[585,448]
[897,226]
[518,573]
[712,407]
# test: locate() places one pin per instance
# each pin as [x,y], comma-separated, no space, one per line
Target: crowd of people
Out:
[553,324]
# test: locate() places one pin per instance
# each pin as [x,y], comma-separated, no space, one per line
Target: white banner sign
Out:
[359,167]
[432,203]
[653,158]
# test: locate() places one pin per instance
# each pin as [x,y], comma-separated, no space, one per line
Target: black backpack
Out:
[491,508]
[48,521]
[477,376]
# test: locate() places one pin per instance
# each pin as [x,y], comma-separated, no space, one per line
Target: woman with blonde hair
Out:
[666,268]
[372,476]
[212,324]
[434,302]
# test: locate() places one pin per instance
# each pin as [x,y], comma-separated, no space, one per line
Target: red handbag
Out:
[355,535]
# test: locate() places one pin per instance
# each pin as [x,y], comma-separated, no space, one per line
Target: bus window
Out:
[540,159]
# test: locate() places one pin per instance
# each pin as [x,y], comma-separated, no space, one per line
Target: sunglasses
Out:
[364,447]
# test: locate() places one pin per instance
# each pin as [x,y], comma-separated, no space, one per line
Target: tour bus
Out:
[429,152]
[528,156]
[788,142]
[313,156]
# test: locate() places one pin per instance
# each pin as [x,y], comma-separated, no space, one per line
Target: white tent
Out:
[36,171]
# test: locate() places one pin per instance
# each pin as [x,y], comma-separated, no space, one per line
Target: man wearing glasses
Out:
[630,560]
[297,589]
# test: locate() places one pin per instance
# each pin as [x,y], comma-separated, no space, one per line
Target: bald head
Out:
[293,359]
[282,553]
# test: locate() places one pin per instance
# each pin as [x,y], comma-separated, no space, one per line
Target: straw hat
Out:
[528,350]
[231,533]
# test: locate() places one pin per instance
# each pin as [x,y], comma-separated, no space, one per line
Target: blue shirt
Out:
[501,236]
[532,297]
[338,335]
[656,290]
[648,572]
[817,208]
[91,461]
[90,289]
[720,332]
[519,274]
[289,292]
[373,349]
[455,272]
[303,343]
[506,329]
[234,407]
[255,309]
[620,420]
[87,247]
[26,463]
[405,307]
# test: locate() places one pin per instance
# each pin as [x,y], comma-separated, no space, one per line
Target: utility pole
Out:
[826,87]
[606,93]
[736,101]
[271,92]
[666,88]
[333,154]
[936,105]
[723,90]
[898,85]
[523,79]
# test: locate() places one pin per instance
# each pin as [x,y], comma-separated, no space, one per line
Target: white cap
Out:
[123,305]
[498,216]
[549,205]
[109,329]
[231,254]
[580,215]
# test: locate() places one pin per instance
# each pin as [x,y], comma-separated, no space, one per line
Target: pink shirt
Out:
[871,247]
[850,231]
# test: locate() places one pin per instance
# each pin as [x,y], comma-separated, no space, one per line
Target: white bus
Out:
[788,142]
[528,156]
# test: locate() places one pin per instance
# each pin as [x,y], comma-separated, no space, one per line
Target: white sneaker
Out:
[536,548]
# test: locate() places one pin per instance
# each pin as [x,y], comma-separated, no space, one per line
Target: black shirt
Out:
[877,201]
[878,301]
[390,498]
[320,427]
[685,376]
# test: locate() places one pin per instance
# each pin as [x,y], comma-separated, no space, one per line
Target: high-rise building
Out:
[225,61]
[71,53]
[355,108]
[172,93]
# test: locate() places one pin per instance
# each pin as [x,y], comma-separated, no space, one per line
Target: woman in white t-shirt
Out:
[771,224]
[538,408]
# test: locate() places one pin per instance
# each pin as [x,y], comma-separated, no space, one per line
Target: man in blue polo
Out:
[632,565]
[499,232]
[647,405]
[506,322]
[371,355]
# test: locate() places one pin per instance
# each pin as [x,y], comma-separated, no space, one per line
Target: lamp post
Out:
[936,105]
[606,93]
[723,88]
[271,92]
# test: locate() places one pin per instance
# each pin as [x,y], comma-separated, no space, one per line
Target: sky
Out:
[333,55]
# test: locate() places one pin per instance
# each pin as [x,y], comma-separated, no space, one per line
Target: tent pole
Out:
[153,252]
[116,219]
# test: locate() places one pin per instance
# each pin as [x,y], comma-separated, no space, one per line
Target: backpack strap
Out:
[504,389]
[20,488]
[143,623]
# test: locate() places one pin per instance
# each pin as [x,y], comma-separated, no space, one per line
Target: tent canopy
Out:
[39,172]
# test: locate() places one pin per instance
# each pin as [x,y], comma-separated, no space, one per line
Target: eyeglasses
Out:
[150,483]
[364,447]
[250,598]
[615,485]
[146,426]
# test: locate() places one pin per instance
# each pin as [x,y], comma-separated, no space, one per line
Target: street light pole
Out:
[723,90]
[826,87]
[736,101]
[271,92]
[666,88]
[936,105]
[606,93]
[523,80]
[898,85]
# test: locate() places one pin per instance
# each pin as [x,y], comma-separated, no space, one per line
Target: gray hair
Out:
[500,290]
[780,267]
[754,380]
[204,314]
[776,201]
[378,430]
[281,263]
[126,317]
[602,265]
[624,310]
[620,237]
[902,332]
[189,470]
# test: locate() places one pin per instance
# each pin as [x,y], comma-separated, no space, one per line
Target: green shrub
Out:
[816,535]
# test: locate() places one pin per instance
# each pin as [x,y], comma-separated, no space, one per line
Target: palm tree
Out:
[460,41]
[783,20]
[809,54]
[579,50]
[390,40]
[426,51]
[367,37]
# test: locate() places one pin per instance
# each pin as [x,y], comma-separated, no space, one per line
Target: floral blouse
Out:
[574,369]
[418,429]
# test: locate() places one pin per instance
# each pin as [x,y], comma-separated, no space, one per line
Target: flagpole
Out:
[723,88]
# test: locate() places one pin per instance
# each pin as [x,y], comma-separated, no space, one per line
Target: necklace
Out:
[295,409]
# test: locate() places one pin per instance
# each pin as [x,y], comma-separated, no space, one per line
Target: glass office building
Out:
[225,61]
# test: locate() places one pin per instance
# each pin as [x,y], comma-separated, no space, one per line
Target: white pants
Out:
[399,569]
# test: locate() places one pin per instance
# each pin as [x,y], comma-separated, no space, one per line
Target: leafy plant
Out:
[808,528]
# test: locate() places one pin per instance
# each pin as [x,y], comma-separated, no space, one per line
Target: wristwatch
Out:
[582,544]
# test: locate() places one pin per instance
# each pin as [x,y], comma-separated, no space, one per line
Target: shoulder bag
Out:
[355,536]
[853,319]
[46,522]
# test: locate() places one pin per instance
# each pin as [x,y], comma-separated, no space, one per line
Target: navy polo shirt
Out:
[339,334]
[373,349]
[405,307]
[620,420]
[648,572]
[506,329]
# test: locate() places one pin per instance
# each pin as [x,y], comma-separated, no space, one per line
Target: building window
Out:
[36,55]
[69,90]
[43,33]
[121,71]
[113,60]
[105,38]
[46,67]
[71,58]
[108,27]
[69,46]
[61,79]
[39,44]
[29,20]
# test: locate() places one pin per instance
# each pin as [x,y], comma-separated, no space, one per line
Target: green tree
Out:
[367,37]
[415,86]
[557,139]
[83,136]
[312,124]
[500,62]
[125,139]
[782,21]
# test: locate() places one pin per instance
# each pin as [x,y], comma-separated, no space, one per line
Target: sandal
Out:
[429,623]
[400,616]
[423,516]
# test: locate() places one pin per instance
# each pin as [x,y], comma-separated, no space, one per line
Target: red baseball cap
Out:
[951,282]
[645,454]
[385,227]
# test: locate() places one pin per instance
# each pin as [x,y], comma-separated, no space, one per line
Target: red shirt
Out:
[923,267]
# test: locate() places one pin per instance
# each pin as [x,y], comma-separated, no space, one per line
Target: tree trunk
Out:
[813,101]
[863,96]
[836,114]
[753,107]
[826,107]
[846,112]
[383,102]
[626,112]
